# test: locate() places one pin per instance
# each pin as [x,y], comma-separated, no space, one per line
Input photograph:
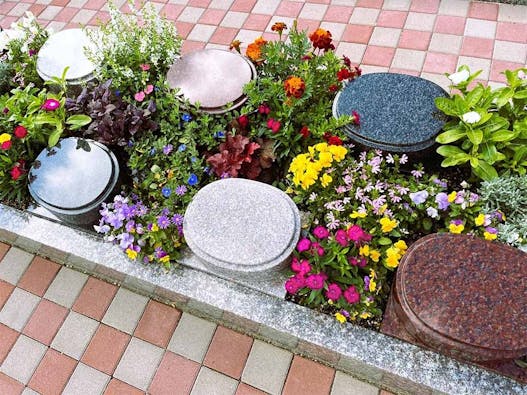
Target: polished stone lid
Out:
[73,174]
[244,225]
[468,290]
[62,49]
[397,111]
[212,77]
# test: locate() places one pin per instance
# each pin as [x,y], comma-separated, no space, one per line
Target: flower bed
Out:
[363,208]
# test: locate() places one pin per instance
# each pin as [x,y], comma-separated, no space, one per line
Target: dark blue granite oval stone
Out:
[397,111]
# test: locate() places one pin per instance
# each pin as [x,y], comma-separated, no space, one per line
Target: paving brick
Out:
[5,291]
[420,21]
[408,59]
[14,264]
[378,56]
[191,46]
[66,287]
[454,7]
[125,310]
[23,359]
[267,7]
[246,389]
[139,363]
[105,349]
[50,12]
[313,11]
[223,35]
[336,13]
[157,323]
[117,387]
[385,36]
[190,14]
[357,34]
[210,381]
[428,6]
[201,32]
[336,29]
[499,66]
[192,337]
[510,51]
[6,7]
[267,367]
[83,16]
[256,22]
[45,321]
[29,391]
[52,373]
[344,384]
[87,381]
[450,24]
[369,3]
[18,309]
[440,63]
[401,5]
[234,19]
[228,352]
[511,32]
[392,18]
[289,9]
[475,64]
[3,246]
[212,17]
[221,4]
[353,51]
[512,13]
[446,43]
[306,376]
[481,10]
[175,375]
[74,335]
[475,46]
[10,386]
[480,28]
[94,299]
[8,337]
[364,16]
[39,275]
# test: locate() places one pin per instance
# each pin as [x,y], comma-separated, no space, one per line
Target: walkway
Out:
[62,331]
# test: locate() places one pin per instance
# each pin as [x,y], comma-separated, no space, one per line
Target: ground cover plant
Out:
[363,209]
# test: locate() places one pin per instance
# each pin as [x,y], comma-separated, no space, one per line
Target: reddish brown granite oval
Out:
[466,293]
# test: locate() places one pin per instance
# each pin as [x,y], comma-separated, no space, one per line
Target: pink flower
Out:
[264,109]
[351,295]
[356,234]
[16,172]
[341,237]
[139,96]
[318,249]
[274,125]
[294,284]
[50,105]
[360,262]
[20,132]
[6,145]
[149,88]
[302,267]
[243,120]
[316,281]
[334,292]
[320,232]
[303,245]
[356,116]
[145,67]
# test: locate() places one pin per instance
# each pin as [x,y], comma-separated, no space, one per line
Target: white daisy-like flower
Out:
[471,117]
[459,77]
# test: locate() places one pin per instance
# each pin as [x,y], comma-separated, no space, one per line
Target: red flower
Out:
[294,86]
[305,131]
[20,132]
[264,109]
[356,116]
[346,61]
[16,172]
[6,145]
[243,120]
[334,140]
[274,125]
[344,74]
[333,88]
[306,57]
[321,39]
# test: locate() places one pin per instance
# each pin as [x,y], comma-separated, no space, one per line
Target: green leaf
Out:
[427,224]
[384,241]
[474,96]
[475,136]
[503,135]
[451,135]
[455,160]
[520,153]
[503,97]
[489,153]
[496,123]
[474,161]
[521,94]
[449,150]
[447,106]
[485,171]
[54,137]
[78,120]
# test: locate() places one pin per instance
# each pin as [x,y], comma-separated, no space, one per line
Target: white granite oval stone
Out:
[65,49]
[242,226]
[69,177]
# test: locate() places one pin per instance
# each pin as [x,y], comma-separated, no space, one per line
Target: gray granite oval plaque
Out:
[65,49]
[212,77]
[72,175]
[397,111]
[242,225]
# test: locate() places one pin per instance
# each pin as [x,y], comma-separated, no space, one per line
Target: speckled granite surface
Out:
[397,111]
[468,302]
[390,363]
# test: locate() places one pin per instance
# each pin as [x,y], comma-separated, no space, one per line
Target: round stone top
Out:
[63,49]
[397,111]
[213,78]
[74,174]
[242,225]
[473,294]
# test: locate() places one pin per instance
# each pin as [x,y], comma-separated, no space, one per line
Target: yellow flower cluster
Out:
[366,251]
[394,254]
[388,224]
[306,167]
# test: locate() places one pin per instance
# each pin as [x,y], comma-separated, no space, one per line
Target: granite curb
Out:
[384,361]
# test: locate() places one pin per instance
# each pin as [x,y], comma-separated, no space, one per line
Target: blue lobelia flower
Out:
[192,180]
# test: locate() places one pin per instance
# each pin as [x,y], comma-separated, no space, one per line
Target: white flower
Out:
[471,117]
[459,77]
[432,212]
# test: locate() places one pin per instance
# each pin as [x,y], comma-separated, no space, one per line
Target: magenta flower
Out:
[351,295]
[303,245]
[301,267]
[294,284]
[334,292]
[356,234]
[316,281]
[321,232]
[149,89]
[318,249]
[145,67]
[341,237]
[50,105]
[140,96]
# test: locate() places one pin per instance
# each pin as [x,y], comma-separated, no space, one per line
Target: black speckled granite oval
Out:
[465,295]
[397,111]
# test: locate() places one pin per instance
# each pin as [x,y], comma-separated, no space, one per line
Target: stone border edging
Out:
[368,355]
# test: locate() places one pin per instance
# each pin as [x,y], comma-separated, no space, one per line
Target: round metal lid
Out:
[473,291]
[240,224]
[212,77]
[71,175]
[63,49]
[397,111]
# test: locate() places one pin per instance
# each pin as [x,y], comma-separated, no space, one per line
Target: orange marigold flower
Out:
[260,41]
[321,39]
[294,86]
[235,45]
[254,50]
[279,27]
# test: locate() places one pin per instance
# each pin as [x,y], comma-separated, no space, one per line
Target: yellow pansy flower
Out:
[155,228]
[322,147]
[356,214]
[401,245]
[326,180]
[364,315]
[364,250]
[325,159]
[132,254]
[340,318]
[452,196]
[373,285]
[392,261]
[387,224]
[165,259]
[480,220]
[375,255]
[490,236]
[456,228]
[338,152]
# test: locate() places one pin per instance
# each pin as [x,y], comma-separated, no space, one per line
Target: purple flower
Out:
[474,197]
[219,135]
[177,219]
[439,182]
[159,253]
[316,281]
[442,201]
[163,222]
[166,191]
[130,225]
[460,197]
[432,212]
[366,282]
[417,173]
[181,190]
[419,197]
[125,240]
[192,180]
[167,149]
